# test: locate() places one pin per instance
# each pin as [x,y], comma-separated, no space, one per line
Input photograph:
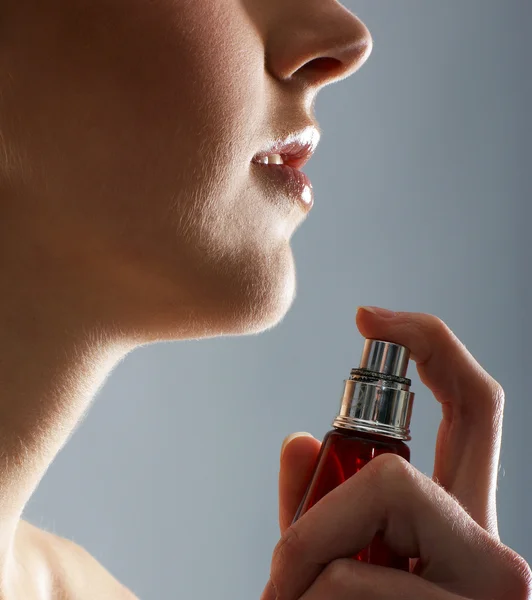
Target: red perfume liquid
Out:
[343,453]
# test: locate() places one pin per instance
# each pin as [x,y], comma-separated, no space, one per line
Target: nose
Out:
[319,41]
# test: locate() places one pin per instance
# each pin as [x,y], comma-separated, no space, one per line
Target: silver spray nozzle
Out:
[377,396]
[385,358]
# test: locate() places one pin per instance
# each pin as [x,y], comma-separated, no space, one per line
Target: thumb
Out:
[298,457]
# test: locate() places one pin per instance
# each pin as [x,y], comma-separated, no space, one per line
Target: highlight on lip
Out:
[293,181]
[306,196]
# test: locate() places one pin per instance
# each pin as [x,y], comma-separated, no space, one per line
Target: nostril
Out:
[324,64]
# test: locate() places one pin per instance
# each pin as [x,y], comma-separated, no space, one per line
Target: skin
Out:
[130,213]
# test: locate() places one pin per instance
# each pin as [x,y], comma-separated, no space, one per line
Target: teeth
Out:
[272,159]
[275,159]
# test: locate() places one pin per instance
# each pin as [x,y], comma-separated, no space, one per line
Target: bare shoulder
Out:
[72,571]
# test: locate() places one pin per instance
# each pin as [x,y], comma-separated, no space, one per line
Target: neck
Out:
[53,360]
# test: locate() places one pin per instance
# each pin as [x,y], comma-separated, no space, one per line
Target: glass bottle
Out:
[374,419]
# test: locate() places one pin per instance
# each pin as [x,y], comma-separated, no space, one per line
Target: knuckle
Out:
[441,332]
[347,578]
[391,468]
[391,476]
[519,577]
[494,396]
[288,549]
[494,390]
[497,394]
[436,326]
[337,577]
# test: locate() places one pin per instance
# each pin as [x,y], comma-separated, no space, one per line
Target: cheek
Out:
[135,109]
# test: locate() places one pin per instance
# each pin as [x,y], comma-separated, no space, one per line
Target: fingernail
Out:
[269,592]
[380,312]
[290,437]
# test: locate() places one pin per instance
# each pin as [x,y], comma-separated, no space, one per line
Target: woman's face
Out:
[127,130]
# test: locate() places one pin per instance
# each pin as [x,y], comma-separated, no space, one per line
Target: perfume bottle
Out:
[374,419]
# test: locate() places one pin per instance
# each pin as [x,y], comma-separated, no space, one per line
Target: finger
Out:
[347,579]
[417,519]
[298,457]
[469,437]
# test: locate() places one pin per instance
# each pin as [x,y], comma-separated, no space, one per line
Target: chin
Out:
[245,296]
[256,299]
[259,314]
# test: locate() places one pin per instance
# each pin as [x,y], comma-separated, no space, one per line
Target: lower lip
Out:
[293,182]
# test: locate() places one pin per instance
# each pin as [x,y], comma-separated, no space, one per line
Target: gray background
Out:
[422,203]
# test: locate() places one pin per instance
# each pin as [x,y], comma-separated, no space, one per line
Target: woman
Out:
[133,211]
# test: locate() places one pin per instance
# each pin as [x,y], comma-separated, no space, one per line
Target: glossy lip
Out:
[296,150]
[291,181]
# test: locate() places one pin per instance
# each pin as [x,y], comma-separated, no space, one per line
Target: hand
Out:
[449,522]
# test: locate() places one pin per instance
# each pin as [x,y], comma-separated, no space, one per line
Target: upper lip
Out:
[296,149]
